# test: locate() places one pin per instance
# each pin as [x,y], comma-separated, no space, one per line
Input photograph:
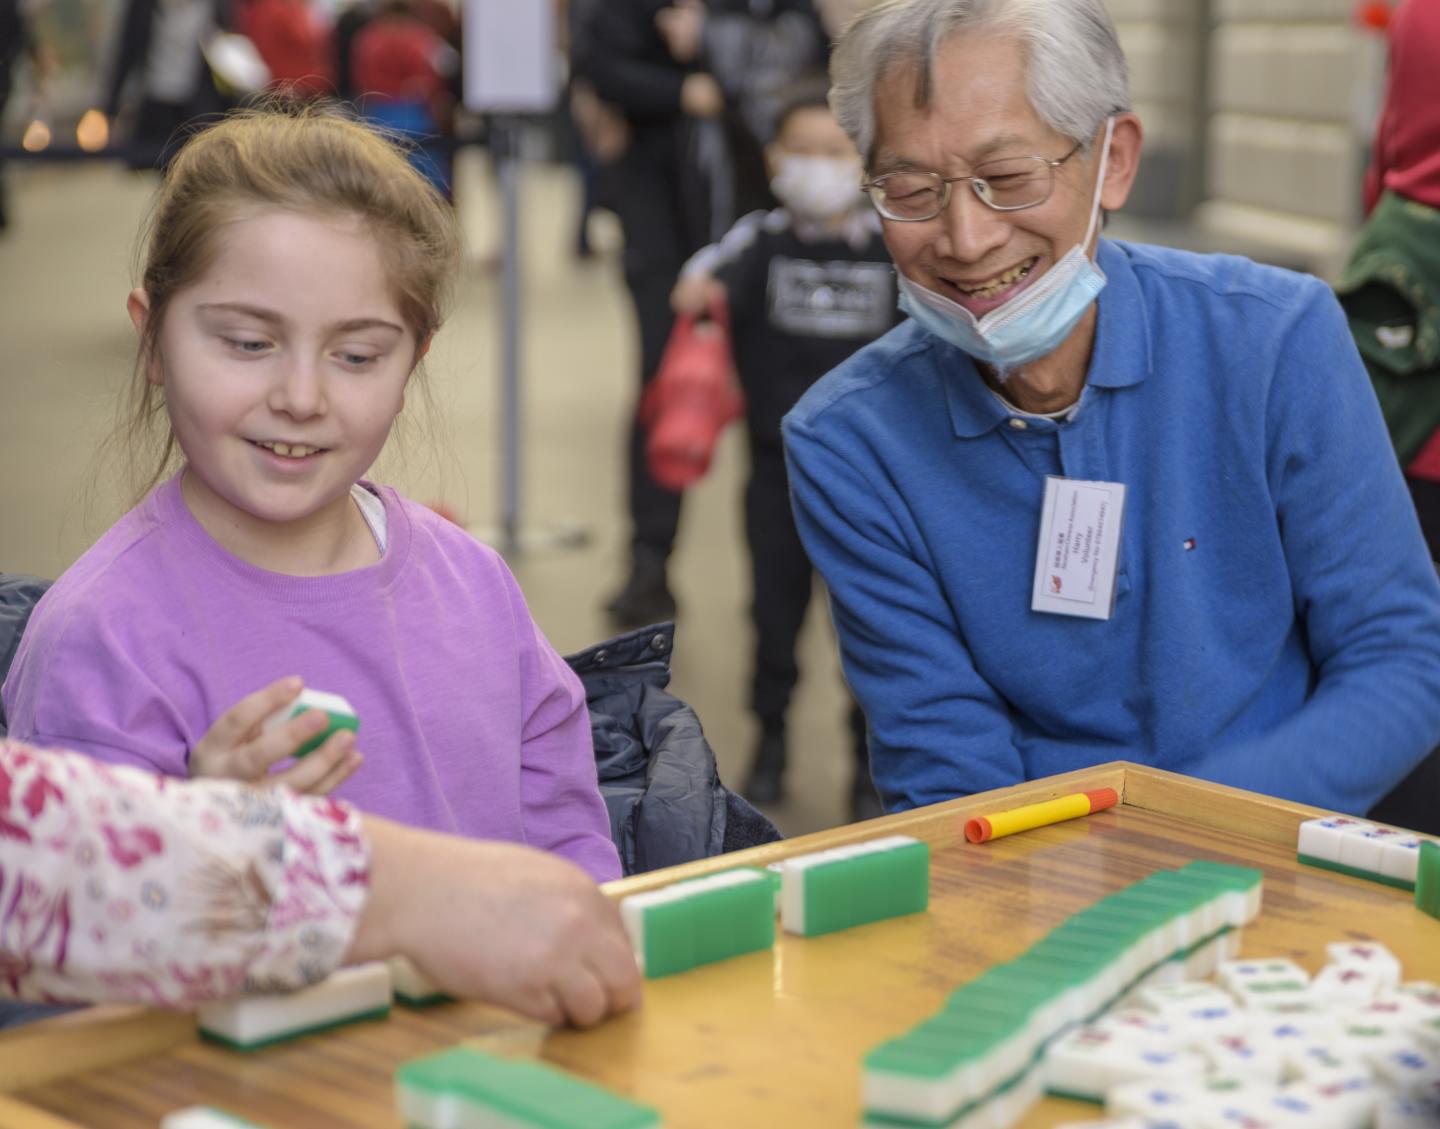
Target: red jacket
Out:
[1406,157]
[395,57]
[294,42]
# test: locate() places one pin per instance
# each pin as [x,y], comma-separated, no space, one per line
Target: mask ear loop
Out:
[1099,187]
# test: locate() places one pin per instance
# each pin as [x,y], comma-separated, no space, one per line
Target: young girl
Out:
[295,276]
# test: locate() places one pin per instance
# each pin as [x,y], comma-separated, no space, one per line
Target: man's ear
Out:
[1125,144]
[137,305]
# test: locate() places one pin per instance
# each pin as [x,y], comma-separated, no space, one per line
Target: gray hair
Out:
[1076,73]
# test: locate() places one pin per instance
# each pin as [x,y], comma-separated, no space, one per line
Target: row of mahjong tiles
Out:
[1264,1046]
[679,927]
[1169,923]
[674,929]
[1376,853]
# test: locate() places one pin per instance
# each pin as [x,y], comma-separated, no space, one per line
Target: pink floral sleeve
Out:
[119,885]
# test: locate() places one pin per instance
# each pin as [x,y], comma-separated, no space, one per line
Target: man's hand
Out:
[497,922]
[695,294]
[236,749]
[681,27]
[701,96]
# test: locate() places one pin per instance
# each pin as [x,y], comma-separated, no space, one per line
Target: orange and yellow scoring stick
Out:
[1002,823]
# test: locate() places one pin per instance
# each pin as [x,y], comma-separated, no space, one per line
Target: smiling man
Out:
[1095,500]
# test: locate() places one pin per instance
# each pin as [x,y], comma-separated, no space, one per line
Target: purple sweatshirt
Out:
[469,721]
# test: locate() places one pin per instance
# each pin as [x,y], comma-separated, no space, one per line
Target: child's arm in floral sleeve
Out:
[116,884]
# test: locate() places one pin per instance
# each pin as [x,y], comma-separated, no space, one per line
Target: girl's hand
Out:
[236,749]
[498,922]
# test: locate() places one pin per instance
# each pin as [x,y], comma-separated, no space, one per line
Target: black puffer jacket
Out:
[657,773]
[18,597]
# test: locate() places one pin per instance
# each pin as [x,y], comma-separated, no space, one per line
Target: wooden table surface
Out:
[769,1039]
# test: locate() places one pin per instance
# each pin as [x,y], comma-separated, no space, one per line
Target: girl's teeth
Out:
[296,451]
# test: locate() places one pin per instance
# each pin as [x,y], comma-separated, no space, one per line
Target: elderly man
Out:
[1095,501]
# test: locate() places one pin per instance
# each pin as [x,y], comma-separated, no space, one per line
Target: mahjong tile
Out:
[1297,1030]
[1323,1061]
[1320,838]
[1345,1102]
[1182,997]
[1423,992]
[1412,1071]
[1407,1113]
[1140,1026]
[1352,984]
[1365,850]
[1233,974]
[1393,1011]
[1178,1101]
[1243,1056]
[1367,953]
[1087,1062]
[1368,1040]
[1400,858]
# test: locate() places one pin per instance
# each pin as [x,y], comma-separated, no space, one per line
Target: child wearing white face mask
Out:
[807,284]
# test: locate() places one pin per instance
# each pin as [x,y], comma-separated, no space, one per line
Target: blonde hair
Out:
[314,159]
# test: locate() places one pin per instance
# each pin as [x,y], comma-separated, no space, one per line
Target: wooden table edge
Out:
[17,1115]
[96,1037]
[106,1036]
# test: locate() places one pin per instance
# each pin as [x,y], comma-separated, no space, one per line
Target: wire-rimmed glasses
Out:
[1009,184]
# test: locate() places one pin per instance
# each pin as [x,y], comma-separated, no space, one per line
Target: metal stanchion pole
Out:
[510,71]
[512,537]
[506,140]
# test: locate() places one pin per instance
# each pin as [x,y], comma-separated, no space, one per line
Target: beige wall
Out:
[1163,40]
[1292,87]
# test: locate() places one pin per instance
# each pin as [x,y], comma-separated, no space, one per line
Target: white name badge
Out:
[1079,549]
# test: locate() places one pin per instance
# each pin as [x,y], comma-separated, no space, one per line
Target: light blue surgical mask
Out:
[1031,324]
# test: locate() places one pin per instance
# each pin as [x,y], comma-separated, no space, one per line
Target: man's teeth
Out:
[1009,278]
[289,450]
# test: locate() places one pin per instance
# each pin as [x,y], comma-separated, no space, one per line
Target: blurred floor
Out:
[66,266]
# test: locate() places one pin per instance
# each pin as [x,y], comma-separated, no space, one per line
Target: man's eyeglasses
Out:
[1007,185]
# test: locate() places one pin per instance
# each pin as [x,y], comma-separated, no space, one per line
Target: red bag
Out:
[692,399]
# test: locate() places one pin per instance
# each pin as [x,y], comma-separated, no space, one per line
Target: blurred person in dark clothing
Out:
[596,134]
[17,40]
[159,43]
[440,17]
[351,20]
[667,69]
[755,49]
[600,134]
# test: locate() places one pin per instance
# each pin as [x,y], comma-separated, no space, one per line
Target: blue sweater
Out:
[1293,650]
